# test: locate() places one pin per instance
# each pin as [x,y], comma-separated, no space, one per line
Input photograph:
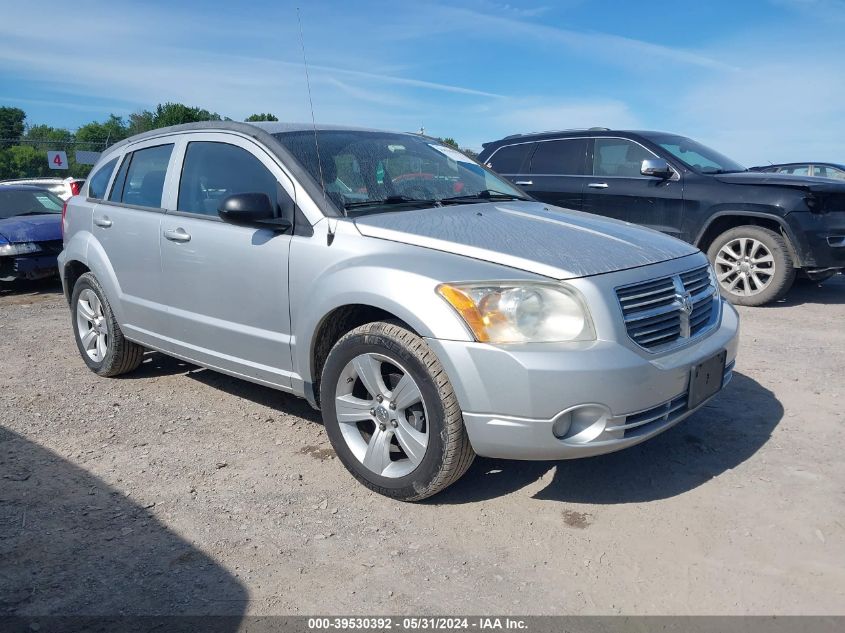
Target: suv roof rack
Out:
[572,129]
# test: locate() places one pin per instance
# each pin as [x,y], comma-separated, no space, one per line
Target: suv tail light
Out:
[75,187]
[64,213]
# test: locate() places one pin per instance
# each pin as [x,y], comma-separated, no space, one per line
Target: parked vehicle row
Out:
[758,229]
[431,310]
[819,170]
[64,188]
[30,232]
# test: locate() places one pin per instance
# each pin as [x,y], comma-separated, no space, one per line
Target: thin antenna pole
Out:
[311,103]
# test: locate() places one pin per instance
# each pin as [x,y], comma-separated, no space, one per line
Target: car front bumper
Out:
[819,239]
[512,396]
[27,267]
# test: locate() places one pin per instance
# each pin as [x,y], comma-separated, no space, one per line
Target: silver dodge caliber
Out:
[429,309]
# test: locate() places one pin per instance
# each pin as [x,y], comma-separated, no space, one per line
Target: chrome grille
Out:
[663,312]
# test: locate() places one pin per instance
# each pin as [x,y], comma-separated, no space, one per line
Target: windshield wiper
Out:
[387,201]
[45,212]
[486,194]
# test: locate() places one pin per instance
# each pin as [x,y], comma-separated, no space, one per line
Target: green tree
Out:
[176,113]
[11,125]
[99,135]
[451,142]
[24,161]
[142,121]
[264,116]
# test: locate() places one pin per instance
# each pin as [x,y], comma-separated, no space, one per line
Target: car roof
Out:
[591,131]
[257,129]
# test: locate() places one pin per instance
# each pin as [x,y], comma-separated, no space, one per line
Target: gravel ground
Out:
[178,490]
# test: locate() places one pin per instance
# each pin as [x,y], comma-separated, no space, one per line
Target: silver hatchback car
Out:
[429,309]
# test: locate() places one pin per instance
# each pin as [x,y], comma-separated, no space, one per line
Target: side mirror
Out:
[656,167]
[252,209]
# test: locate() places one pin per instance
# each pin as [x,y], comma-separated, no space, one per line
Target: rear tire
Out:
[753,266]
[402,432]
[98,336]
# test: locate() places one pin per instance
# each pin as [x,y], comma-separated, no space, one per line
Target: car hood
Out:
[32,228]
[807,183]
[531,236]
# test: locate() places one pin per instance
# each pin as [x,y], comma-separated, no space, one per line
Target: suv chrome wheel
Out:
[382,415]
[744,266]
[91,325]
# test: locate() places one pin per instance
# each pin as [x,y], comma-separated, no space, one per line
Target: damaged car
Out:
[30,232]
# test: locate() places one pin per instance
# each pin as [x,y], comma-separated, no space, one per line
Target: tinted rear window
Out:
[565,157]
[140,181]
[510,158]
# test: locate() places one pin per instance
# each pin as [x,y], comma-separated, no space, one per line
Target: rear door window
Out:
[565,157]
[510,158]
[99,181]
[212,171]
[140,181]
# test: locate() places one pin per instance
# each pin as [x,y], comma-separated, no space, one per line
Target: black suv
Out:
[758,229]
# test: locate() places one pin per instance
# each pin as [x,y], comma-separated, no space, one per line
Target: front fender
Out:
[397,278]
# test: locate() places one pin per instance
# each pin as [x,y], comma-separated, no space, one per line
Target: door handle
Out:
[177,235]
[598,185]
[523,182]
[104,221]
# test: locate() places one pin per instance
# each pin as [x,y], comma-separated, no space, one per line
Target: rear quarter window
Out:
[510,159]
[99,181]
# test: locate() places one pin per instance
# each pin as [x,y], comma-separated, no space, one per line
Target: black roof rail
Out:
[573,129]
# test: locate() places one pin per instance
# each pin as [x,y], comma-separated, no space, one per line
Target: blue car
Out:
[30,232]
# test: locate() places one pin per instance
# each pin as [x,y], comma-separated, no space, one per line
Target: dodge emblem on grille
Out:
[686,306]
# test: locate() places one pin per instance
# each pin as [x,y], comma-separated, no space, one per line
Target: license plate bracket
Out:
[706,379]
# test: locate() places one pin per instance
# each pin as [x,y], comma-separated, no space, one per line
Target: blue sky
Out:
[760,80]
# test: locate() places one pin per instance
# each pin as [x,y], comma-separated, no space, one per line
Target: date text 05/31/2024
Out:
[413,624]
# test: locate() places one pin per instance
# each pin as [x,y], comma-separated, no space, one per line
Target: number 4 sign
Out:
[57,160]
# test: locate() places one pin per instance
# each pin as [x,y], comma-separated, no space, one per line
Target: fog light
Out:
[561,426]
[581,424]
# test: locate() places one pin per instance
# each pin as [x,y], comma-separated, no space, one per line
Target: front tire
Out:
[752,264]
[391,414]
[98,336]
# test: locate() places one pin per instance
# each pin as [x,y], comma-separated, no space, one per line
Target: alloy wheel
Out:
[91,325]
[381,414]
[744,266]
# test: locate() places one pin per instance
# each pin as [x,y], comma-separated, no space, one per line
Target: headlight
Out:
[520,313]
[19,249]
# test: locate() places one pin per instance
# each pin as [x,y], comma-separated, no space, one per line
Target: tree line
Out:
[24,146]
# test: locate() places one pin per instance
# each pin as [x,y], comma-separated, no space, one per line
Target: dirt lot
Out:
[178,490]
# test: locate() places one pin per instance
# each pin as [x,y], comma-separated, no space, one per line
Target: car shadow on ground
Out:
[720,436]
[157,364]
[22,289]
[829,292]
[70,545]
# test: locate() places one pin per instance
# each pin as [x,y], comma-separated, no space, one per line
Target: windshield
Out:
[697,156]
[367,172]
[14,202]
